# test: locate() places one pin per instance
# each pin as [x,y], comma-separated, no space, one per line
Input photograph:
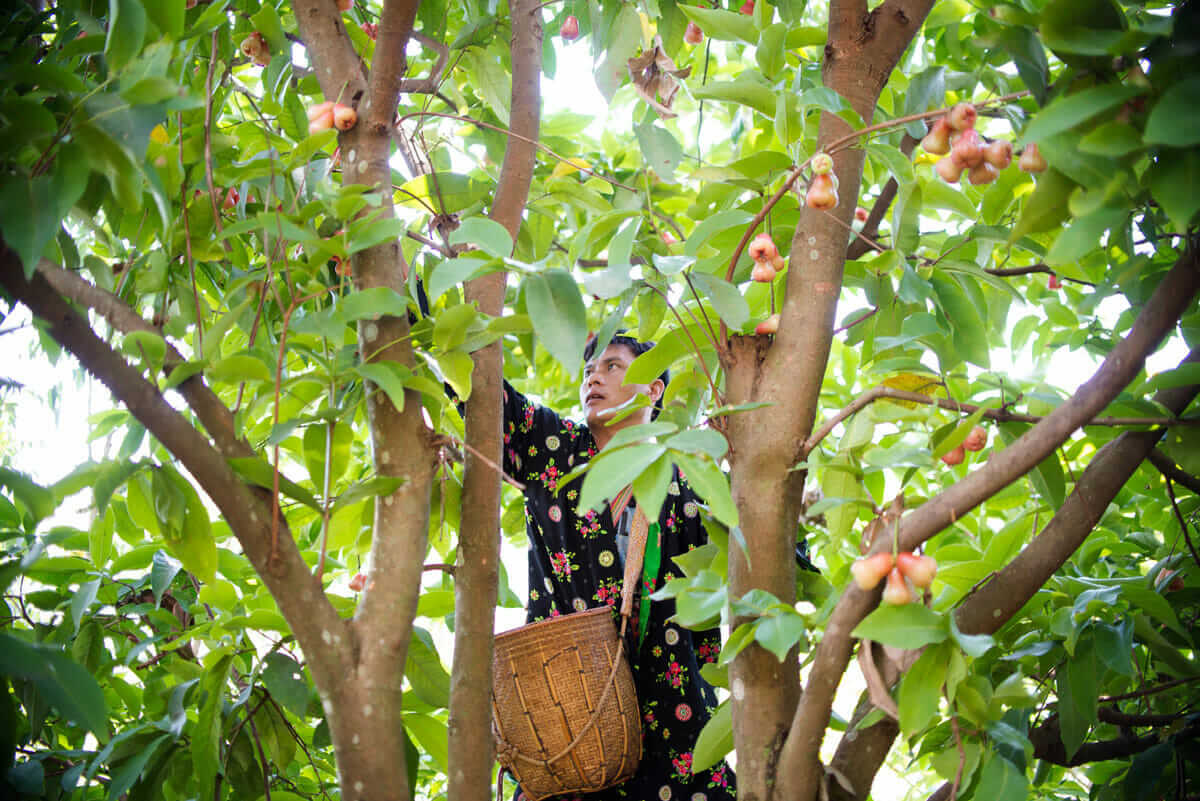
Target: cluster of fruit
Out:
[974,442]
[767,263]
[953,136]
[324,116]
[902,570]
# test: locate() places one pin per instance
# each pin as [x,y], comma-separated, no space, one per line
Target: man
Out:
[576,560]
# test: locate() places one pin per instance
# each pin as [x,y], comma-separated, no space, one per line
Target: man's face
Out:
[602,389]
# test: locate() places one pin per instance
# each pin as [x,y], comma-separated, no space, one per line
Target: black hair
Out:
[638,347]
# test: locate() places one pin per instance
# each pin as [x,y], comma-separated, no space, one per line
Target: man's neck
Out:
[604,434]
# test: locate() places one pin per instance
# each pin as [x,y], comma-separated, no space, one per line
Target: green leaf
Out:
[927,88]
[1001,781]
[1068,111]
[909,626]
[206,733]
[284,679]
[558,315]
[611,471]
[322,440]
[259,473]
[713,225]
[1081,236]
[748,89]
[82,600]
[921,690]
[65,684]
[490,236]
[720,24]
[779,632]
[1046,208]
[238,368]
[388,376]
[454,272]
[1175,118]
[1078,686]
[711,484]
[126,31]
[425,672]
[725,298]
[700,440]
[650,487]
[457,367]
[661,151]
[715,739]
[432,734]
[1172,179]
[162,573]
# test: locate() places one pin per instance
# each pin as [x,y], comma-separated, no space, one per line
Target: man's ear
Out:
[657,388]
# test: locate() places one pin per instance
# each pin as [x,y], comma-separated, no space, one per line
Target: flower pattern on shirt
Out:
[573,555]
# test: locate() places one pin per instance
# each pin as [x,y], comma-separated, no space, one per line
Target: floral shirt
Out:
[574,564]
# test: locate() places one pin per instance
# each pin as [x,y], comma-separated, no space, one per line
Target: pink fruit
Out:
[254,47]
[762,248]
[962,117]
[371,29]
[998,153]
[976,439]
[937,141]
[763,272]
[982,173]
[948,170]
[897,592]
[870,570]
[768,326]
[1053,282]
[693,35]
[822,194]
[570,28]
[231,199]
[358,582]
[955,456]
[920,570]
[861,214]
[967,149]
[319,110]
[748,7]
[779,262]
[345,5]
[322,122]
[1031,160]
[344,117]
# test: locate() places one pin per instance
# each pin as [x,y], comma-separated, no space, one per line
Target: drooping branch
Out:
[428,85]
[799,767]
[477,570]
[300,597]
[861,244]
[999,415]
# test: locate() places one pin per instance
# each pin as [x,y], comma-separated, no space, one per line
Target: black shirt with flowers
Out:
[575,564]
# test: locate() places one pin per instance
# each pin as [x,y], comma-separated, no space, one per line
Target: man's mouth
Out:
[593,396]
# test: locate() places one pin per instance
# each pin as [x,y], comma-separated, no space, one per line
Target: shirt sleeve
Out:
[526,428]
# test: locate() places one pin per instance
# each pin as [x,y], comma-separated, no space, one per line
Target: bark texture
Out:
[476,585]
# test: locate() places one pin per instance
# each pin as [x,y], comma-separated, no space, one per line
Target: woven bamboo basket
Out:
[564,708]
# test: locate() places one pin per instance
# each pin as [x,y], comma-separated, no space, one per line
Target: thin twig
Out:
[507,478]
[699,354]
[1182,523]
[962,758]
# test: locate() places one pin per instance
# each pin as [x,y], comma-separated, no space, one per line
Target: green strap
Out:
[649,576]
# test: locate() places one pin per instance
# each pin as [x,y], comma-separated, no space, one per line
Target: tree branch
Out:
[1172,297]
[300,597]
[999,415]
[992,604]
[1166,465]
[477,570]
[389,65]
[862,243]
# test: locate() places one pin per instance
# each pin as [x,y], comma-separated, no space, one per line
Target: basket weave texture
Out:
[550,685]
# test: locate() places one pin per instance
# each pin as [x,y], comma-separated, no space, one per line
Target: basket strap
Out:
[634,558]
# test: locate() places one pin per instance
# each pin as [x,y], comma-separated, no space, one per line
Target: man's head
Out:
[603,387]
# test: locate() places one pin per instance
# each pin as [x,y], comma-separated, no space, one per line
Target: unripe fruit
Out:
[897,591]
[998,153]
[748,7]
[1031,160]
[955,456]
[1053,282]
[768,326]
[937,141]
[821,163]
[920,570]
[569,29]
[967,149]
[948,170]
[358,582]
[870,570]
[982,173]
[822,194]
[667,237]
[344,117]
[962,117]
[345,5]
[693,35]
[976,439]
[762,248]
[763,272]
[254,47]
[861,214]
